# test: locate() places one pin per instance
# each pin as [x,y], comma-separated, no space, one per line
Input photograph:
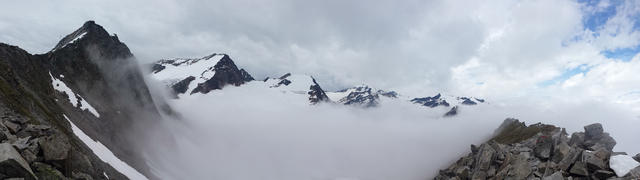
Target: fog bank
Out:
[253,132]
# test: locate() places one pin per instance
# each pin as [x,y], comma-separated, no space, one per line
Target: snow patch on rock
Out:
[105,154]
[60,86]
[622,164]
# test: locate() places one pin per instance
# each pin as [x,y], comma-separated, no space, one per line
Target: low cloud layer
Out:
[253,132]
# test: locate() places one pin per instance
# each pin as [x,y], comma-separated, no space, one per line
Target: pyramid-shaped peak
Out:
[89,28]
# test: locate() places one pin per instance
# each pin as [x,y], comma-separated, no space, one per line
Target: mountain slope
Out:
[90,81]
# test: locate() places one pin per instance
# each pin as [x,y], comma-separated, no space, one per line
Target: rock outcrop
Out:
[431,102]
[362,95]
[316,94]
[541,151]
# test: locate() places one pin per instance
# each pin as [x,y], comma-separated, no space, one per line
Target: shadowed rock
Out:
[12,164]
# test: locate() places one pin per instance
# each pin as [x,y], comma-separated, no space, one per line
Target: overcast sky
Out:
[506,50]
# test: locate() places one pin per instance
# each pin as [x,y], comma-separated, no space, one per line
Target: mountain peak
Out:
[89,30]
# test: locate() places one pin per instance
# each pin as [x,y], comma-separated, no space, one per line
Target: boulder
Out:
[484,158]
[593,131]
[592,161]
[12,164]
[580,169]
[13,127]
[543,147]
[55,147]
[569,159]
[605,141]
[520,169]
[560,151]
[576,139]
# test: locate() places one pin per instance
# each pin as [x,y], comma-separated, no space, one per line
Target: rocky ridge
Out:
[90,80]
[541,151]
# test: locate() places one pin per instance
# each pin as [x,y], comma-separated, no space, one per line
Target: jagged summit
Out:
[446,101]
[361,95]
[89,30]
[199,75]
[316,94]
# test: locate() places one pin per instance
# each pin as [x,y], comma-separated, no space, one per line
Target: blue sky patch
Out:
[594,20]
[624,54]
[583,68]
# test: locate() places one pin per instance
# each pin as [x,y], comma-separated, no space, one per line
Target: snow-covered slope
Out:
[193,75]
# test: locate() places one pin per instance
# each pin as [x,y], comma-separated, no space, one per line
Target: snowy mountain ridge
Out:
[185,75]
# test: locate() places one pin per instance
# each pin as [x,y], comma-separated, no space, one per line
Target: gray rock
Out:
[484,158]
[577,139]
[13,127]
[555,176]
[602,153]
[593,131]
[55,147]
[579,168]
[637,157]
[603,174]
[561,150]
[21,143]
[634,173]
[34,131]
[592,161]
[543,146]
[605,141]
[479,175]
[521,168]
[569,159]
[12,164]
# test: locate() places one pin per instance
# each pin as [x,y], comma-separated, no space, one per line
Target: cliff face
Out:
[542,151]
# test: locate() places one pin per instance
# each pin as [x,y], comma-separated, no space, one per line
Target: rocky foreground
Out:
[541,151]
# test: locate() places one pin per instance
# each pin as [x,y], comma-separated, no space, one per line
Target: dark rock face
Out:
[246,76]
[361,95]
[467,101]
[452,112]
[537,151]
[226,72]
[182,86]
[389,94]
[12,165]
[637,157]
[316,94]
[431,102]
[364,96]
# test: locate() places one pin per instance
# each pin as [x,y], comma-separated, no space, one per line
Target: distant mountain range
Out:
[187,76]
